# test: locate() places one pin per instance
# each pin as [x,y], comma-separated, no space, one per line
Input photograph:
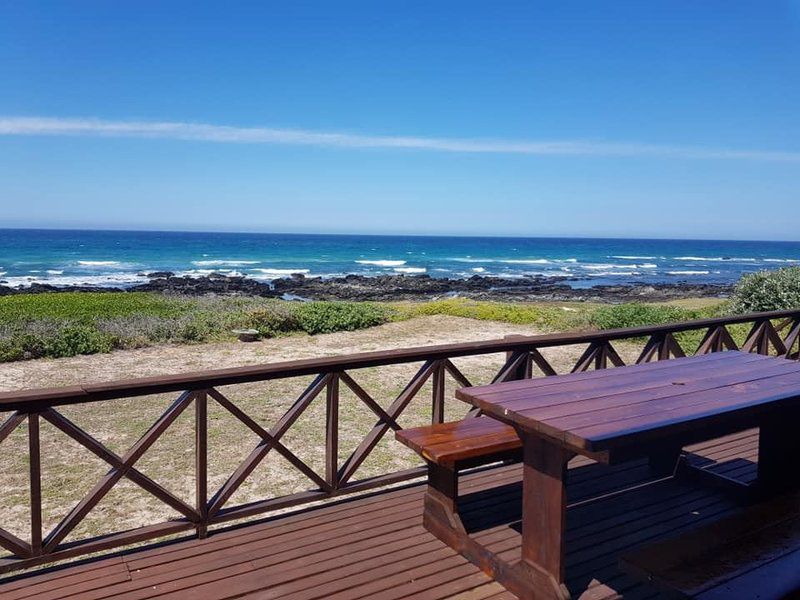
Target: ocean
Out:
[122,258]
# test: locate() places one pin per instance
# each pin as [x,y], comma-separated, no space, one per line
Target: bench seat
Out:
[462,443]
[450,447]
[752,554]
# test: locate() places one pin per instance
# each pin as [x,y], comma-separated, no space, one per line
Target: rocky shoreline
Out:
[402,287]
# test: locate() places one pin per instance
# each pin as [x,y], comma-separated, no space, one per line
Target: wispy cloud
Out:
[78,127]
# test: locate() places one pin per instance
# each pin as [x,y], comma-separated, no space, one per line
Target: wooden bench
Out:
[450,447]
[753,554]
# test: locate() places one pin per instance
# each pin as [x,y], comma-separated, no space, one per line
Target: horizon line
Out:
[37,126]
[440,235]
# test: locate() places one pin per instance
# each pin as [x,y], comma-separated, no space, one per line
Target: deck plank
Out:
[374,546]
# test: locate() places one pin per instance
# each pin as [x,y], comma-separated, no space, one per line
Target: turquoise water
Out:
[120,258]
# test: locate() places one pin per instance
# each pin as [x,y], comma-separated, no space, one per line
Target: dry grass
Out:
[69,471]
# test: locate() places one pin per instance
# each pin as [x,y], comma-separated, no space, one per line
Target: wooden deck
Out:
[375,546]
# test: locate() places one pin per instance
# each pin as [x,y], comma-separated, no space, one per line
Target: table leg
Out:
[778,447]
[544,507]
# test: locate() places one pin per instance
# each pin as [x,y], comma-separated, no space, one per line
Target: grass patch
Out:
[72,323]
[557,316]
[548,316]
[85,307]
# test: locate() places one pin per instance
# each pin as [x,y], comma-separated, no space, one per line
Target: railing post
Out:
[525,369]
[332,431]
[437,401]
[201,460]
[35,465]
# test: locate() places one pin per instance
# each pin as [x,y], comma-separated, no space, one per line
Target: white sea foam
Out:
[99,263]
[382,263]
[781,260]
[282,271]
[717,258]
[410,269]
[106,280]
[224,263]
[270,274]
[54,272]
[648,266]
[2,273]
[687,272]
[526,261]
[629,257]
[701,258]
[469,259]
[613,273]
[479,270]
[610,266]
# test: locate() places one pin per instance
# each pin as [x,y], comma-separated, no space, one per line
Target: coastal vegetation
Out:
[72,323]
[767,290]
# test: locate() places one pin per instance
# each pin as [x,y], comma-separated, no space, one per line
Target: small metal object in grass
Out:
[246,335]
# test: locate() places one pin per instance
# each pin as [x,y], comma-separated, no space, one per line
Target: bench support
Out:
[441,497]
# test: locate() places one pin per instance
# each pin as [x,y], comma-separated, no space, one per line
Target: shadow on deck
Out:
[374,546]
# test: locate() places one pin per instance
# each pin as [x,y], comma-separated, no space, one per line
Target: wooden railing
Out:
[775,333]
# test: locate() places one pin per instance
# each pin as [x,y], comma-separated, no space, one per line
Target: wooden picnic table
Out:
[618,414]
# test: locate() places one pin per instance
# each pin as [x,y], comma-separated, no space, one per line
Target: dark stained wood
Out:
[269,440]
[332,432]
[679,399]
[778,439]
[583,397]
[381,427]
[729,554]
[10,424]
[201,461]
[375,546]
[117,462]
[450,443]
[619,412]
[544,506]
[35,477]
[438,393]
[80,510]
[362,395]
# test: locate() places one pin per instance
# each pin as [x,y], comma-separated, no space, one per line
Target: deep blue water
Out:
[119,258]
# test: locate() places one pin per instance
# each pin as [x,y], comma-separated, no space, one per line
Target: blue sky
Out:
[665,119]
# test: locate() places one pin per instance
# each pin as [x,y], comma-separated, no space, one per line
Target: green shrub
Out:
[274,319]
[11,350]
[327,317]
[767,290]
[193,330]
[636,315]
[77,339]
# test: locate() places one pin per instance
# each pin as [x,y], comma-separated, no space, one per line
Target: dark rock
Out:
[404,287]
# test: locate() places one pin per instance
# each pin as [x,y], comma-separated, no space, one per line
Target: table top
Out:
[612,408]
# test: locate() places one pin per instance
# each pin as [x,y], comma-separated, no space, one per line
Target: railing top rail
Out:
[38,399]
